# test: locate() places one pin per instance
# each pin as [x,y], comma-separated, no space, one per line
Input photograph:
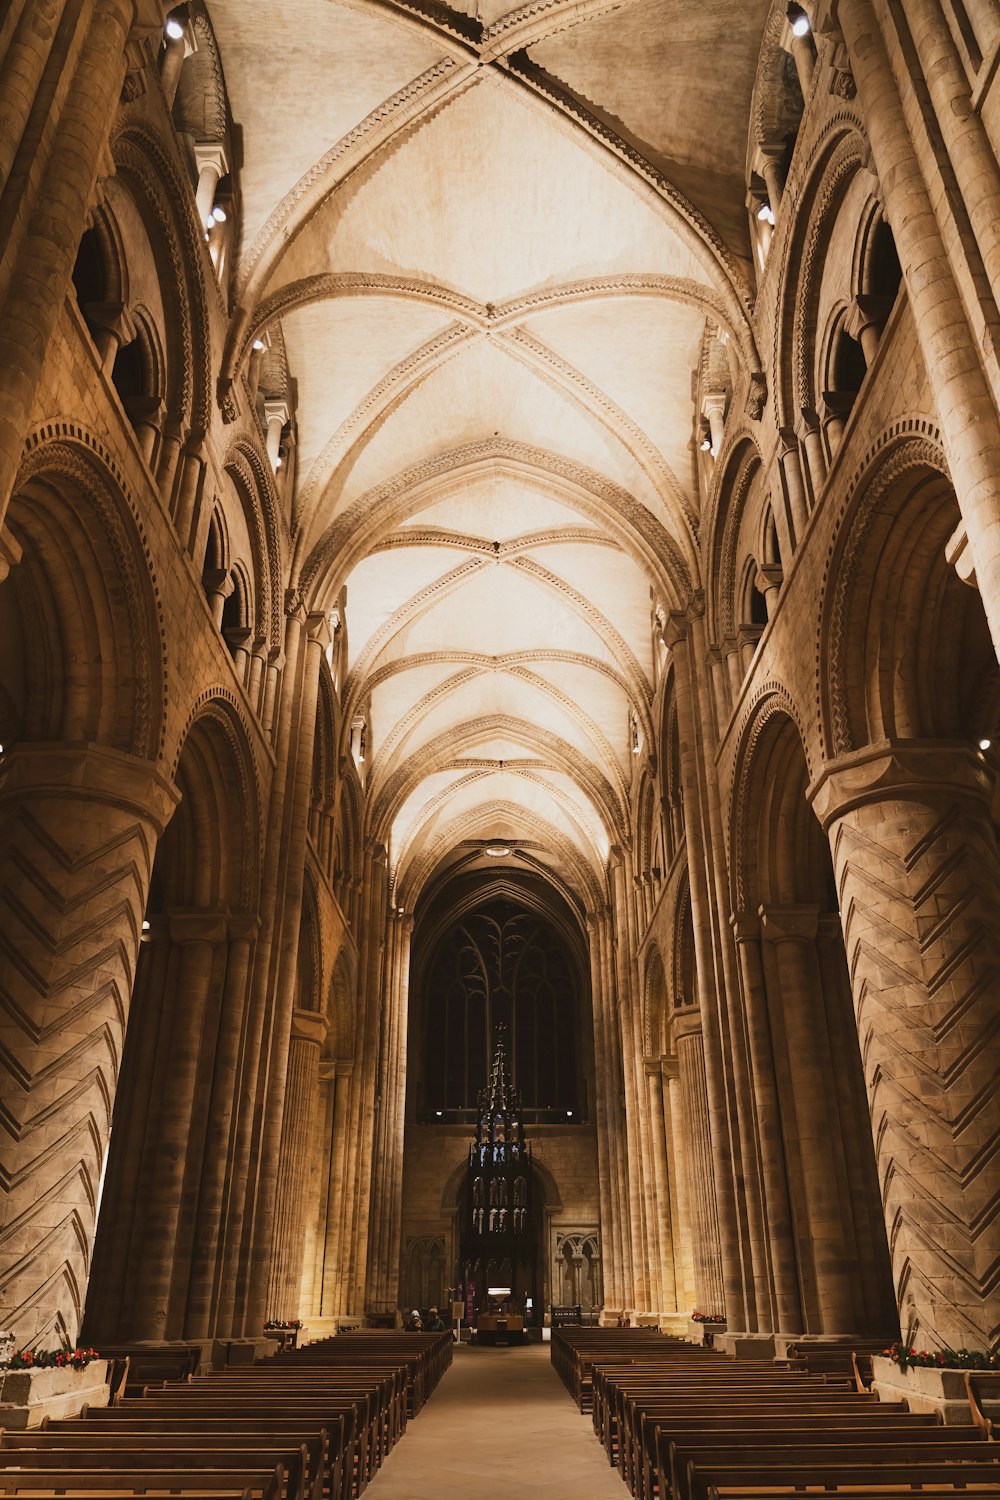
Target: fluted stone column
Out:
[288,920]
[201,1318]
[687,1037]
[786,1305]
[918,875]
[661,1218]
[622,1164]
[387,1173]
[605,1147]
[78,831]
[627,1003]
[678,1169]
[331,1274]
[827,1263]
[301,1097]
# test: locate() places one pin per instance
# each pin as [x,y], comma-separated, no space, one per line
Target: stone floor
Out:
[500,1426]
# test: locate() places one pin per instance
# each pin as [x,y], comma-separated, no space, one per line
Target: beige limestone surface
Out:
[500,1425]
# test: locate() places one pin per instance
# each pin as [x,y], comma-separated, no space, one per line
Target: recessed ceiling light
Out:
[498,851]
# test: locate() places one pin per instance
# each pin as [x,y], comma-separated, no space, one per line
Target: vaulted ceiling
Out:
[494,241]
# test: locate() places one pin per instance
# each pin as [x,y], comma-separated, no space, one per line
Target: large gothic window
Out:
[501,964]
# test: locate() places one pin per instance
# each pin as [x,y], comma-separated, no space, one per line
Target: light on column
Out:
[985,744]
[174,29]
[798,20]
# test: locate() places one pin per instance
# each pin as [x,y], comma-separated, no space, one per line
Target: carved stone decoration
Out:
[756,396]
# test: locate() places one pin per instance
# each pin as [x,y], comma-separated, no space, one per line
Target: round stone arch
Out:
[84,655]
[655,1006]
[904,651]
[835,160]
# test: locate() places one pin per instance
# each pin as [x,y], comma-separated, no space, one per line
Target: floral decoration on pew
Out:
[50,1359]
[938,1359]
[282,1325]
[708,1317]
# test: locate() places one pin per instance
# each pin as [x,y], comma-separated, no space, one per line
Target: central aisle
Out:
[501,1425]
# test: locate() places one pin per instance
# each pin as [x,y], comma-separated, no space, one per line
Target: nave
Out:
[500,1426]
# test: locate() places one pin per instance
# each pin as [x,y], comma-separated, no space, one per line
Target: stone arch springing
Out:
[825,1239]
[83,656]
[906,642]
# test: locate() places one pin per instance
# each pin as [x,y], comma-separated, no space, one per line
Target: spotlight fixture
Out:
[174,28]
[258,346]
[706,444]
[439,1113]
[219,214]
[798,20]
[985,744]
[569,1114]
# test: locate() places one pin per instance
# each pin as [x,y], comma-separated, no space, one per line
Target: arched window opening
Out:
[90,279]
[502,964]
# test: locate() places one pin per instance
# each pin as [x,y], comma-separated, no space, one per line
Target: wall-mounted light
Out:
[174,28]
[798,20]
[258,346]
[984,744]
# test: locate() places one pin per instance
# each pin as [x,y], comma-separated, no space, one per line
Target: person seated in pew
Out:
[435,1323]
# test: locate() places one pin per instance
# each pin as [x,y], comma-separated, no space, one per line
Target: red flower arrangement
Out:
[279,1325]
[708,1317]
[51,1359]
[943,1359]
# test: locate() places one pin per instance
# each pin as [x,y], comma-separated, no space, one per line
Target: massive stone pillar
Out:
[46,181]
[708,1277]
[918,875]
[290,1209]
[78,830]
[951,350]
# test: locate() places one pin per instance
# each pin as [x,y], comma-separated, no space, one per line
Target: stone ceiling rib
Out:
[480,215]
[351,534]
[388,797]
[393,743]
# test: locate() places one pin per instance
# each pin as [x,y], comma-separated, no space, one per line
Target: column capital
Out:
[685,1022]
[198,927]
[318,629]
[745,925]
[789,924]
[10,553]
[211,154]
[900,771]
[807,421]
[309,1026]
[112,776]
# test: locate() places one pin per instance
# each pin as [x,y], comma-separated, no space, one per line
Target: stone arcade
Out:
[499,522]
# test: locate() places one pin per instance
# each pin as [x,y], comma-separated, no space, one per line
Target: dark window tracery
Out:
[501,965]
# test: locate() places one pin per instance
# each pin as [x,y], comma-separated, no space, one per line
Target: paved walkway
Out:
[500,1426]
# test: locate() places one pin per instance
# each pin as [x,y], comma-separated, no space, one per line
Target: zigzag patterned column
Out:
[78,830]
[918,875]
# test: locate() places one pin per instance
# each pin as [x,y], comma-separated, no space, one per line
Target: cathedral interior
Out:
[500,535]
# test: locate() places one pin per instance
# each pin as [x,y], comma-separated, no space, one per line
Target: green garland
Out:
[50,1359]
[943,1359]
